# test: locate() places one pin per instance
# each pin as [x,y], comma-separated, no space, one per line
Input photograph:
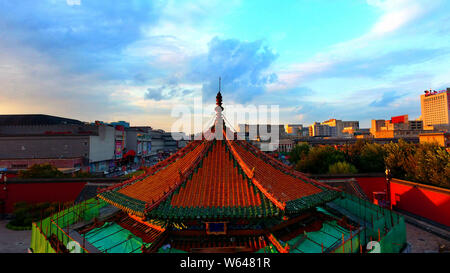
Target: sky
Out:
[137,60]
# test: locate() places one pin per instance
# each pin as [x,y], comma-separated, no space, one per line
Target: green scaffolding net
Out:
[51,233]
[112,238]
[327,239]
[378,224]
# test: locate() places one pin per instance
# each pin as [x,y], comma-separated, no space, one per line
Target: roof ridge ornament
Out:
[219,95]
[219,123]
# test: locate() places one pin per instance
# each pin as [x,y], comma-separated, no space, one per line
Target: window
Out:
[216,228]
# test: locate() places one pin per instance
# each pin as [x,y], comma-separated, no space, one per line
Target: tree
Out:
[319,159]
[432,165]
[298,152]
[41,171]
[342,167]
[372,158]
[399,159]
[353,152]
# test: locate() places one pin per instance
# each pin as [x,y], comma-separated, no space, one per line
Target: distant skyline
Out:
[134,60]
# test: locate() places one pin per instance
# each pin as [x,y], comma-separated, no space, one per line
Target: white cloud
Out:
[73,2]
[396,14]
[179,36]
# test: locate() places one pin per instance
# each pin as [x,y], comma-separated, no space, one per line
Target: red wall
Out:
[371,184]
[429,202]
[37,192]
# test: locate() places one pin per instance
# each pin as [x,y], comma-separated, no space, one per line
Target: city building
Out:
[363,134]
[264,136]
[341,128]
[397,127]
[139,140]
[157,142]
[119,143]
[255,131]
[170,144]
[435,109]
[336,127]
[286,145]
[222,196]
[294,129]
[68,144]
[163,143]
[122,123]
[321,130]
[440,138]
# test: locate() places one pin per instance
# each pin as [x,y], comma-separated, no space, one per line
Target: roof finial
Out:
[219,96]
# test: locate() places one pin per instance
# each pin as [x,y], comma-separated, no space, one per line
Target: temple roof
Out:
[216,179]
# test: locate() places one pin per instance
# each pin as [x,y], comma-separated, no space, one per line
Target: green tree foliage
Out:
[136,173]
[400,159]
[25,213]
[432,165]
[423,163]
[371,158]
[50,171]
[319,159]
[41,171]
[342,168]
[353,152]
[299,152]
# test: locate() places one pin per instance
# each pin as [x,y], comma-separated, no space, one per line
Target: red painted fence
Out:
[372,184]
[44,190]
[427,201]
[39,192]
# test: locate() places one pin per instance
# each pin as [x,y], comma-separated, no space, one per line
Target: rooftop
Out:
[35,119]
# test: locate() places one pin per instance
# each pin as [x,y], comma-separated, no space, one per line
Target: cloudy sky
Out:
[135,60]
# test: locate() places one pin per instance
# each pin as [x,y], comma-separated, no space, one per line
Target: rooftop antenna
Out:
[220,79]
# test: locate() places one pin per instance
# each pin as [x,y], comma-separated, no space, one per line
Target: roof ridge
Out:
[251,199]
[183,176]
[286,169]
[155,200]
[250,175]
[155,168]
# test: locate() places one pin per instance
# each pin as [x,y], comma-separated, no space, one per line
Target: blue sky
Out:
[135,60]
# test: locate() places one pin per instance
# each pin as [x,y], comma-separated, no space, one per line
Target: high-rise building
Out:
[336,127]
[321,130]
[435,108]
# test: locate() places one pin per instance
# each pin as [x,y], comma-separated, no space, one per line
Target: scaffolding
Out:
[376,224]
[111,238]
[52,234]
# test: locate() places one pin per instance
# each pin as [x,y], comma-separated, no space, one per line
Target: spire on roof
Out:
[219,123]
[219,96]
